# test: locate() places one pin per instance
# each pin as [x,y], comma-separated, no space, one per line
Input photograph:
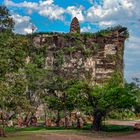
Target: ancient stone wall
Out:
[88,56]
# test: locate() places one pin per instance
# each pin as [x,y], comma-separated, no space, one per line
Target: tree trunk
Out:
[45,115]
[2,130]
[65,111]
[58,119]
[45,119]
[27,120]
[97,121]
[78,122]
[66,117]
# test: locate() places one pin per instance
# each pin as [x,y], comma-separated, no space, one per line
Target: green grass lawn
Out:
[106,128]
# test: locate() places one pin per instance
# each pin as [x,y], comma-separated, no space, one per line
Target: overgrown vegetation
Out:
[25,85]
[103,33]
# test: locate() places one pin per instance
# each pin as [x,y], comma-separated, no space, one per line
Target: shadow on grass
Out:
[105,128]
[117,128]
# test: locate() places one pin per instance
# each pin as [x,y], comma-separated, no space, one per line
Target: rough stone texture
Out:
[75,26]
[79,56]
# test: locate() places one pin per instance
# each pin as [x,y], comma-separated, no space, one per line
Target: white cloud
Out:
[86,29]
[46,2]
[29,11]
[22,24]
[27,30]
[111,12]
[52,12]
[24,4]
[45,8]
[116,11]
[9,3]
[49,9]
[91,1]
[134,42]
[106,23]
[76,12]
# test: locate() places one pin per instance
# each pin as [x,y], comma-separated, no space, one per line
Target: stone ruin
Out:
[94,56]
[80,56]
[75,26]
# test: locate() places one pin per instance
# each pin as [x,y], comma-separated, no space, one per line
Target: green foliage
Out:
[109,30]
[38,59]
[12,63]
[69,49]
[87,52]
[13,52]
[76,91]
[87,34]
[59,58]
[6,22]
[36,79]
[74,35]
[20,82]
[122,114]
[57,97]
[37,54]
[34,75]
[103,99]
[117,128]
[95,46]
[134,88]
[103,33]
[126,34]
[44,33]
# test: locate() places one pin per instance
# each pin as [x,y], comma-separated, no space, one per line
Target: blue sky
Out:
[56,15]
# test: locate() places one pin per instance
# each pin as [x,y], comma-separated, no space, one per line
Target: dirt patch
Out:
[64,135]
[133,136]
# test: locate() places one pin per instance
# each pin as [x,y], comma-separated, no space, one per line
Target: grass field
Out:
[41,133]
[106,128]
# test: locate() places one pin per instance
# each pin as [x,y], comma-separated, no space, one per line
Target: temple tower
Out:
[75,26]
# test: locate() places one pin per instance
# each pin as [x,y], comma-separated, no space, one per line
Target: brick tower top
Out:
[75,26]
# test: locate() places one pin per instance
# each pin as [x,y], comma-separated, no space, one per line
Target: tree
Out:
[6,22]
[13,52]
[12,74]
[134,87]
[102,99]
[58,98]
[36,78]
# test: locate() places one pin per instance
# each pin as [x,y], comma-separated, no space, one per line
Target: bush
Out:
[117,128]
[122,115]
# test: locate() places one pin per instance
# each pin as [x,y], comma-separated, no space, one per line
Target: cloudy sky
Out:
[56,15]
